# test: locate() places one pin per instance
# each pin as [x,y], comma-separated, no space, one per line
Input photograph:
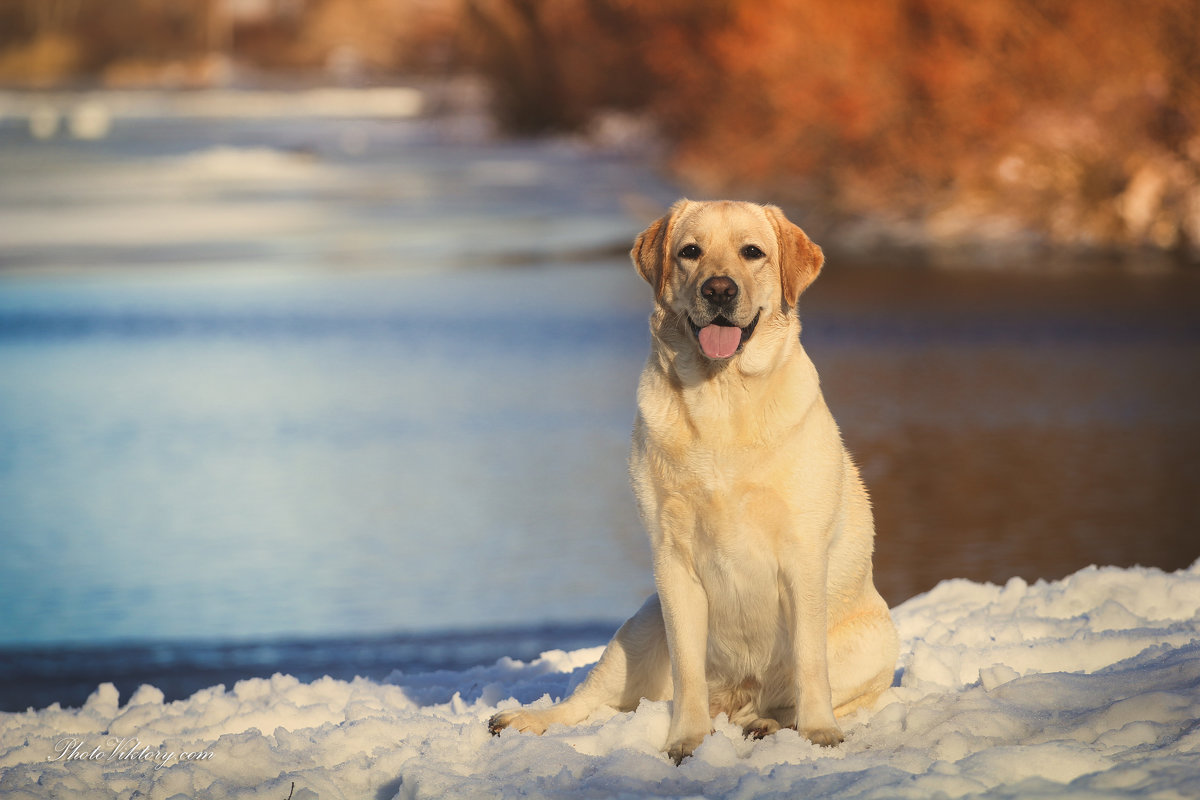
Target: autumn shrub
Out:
[47,42]
[1074,120]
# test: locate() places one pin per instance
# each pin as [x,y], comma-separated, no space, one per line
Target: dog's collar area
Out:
[721,321]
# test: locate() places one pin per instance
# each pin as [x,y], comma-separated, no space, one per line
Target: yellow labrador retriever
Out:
[760,527]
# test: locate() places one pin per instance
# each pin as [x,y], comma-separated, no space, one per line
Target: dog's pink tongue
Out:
[720,341]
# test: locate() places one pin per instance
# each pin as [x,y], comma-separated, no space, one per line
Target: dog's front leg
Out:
[806,574]
[685,615]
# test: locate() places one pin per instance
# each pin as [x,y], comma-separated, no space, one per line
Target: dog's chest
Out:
[726,509]
[739,571]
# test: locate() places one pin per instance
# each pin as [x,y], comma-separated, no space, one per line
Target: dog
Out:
[760,527]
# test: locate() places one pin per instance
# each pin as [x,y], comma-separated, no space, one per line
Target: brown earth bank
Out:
[996,131]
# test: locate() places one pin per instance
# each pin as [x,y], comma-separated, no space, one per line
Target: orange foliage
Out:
[1078,119]
[135,40]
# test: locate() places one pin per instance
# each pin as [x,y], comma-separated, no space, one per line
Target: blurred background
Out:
[318,336]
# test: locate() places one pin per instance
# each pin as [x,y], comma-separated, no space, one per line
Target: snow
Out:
[379,102]
[1084,687]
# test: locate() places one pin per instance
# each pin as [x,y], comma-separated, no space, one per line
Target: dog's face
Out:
[724,272]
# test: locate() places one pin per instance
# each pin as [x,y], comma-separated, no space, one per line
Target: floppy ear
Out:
[650,250]
[800,259]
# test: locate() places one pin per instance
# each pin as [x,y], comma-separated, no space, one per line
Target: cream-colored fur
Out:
[760,527]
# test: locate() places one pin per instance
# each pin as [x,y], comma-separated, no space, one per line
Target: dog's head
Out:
[720,270]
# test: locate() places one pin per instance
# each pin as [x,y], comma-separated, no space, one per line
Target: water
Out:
[346,396]
[318,456]
[1016,424]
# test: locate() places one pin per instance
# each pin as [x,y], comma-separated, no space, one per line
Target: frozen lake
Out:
[358,381]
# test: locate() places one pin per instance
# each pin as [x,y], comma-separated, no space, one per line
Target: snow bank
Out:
[45,109]
[1085,687]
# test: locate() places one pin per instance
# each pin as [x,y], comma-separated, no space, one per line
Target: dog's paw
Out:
[680,749]
[825,737]
[760,728]
[499,722]
[520,719]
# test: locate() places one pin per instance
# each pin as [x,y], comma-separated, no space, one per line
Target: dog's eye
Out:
[752,252]
[691,252]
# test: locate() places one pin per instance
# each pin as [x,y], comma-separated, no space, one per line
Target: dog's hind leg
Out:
[862,656]
[635,665]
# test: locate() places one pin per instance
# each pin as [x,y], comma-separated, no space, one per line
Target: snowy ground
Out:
[1085,687]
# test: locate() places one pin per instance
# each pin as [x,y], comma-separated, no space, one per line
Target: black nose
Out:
[719,290]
